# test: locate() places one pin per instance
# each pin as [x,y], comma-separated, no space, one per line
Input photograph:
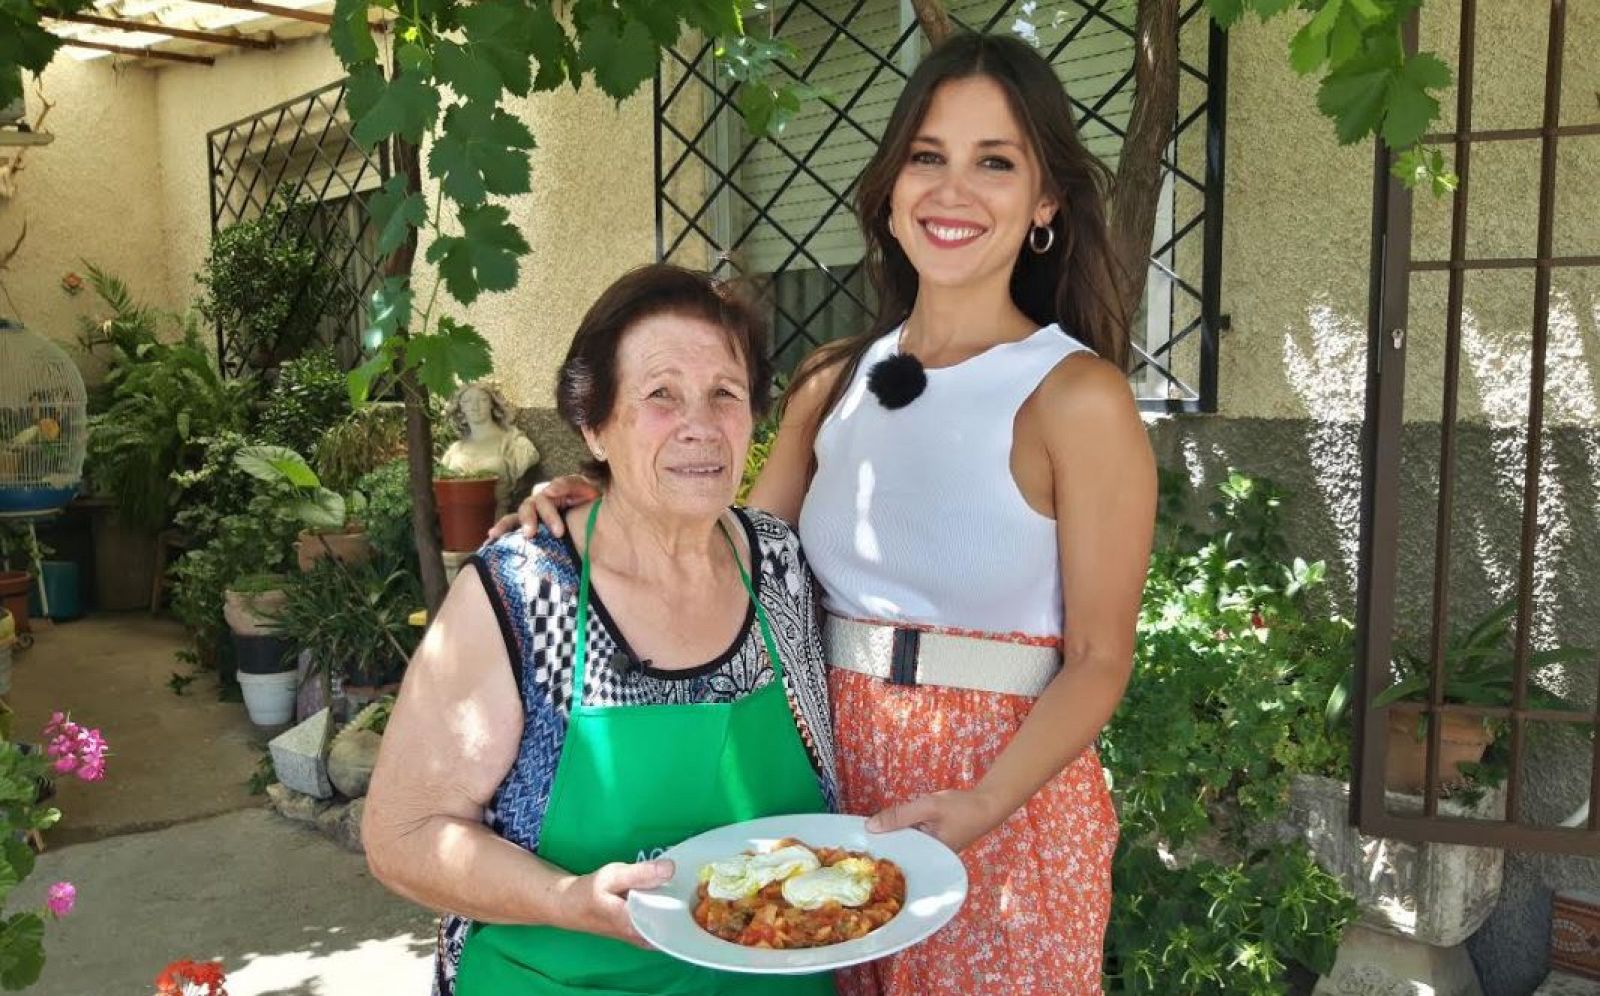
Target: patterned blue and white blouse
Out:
[533,587]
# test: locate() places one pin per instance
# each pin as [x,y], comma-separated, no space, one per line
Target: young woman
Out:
[975,493]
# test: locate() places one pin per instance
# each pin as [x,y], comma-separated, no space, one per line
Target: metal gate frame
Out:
[1392,266]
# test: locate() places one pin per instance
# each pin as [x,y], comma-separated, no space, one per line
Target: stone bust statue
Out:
[488,443]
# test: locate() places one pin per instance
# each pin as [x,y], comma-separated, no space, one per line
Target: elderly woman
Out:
[581,704]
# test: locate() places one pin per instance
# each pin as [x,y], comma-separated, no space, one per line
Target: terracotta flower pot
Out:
[1462,741]
[467,509]
[247,612]
[350,547]
[14,588]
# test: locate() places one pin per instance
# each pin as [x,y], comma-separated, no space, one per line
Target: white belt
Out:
[904,656]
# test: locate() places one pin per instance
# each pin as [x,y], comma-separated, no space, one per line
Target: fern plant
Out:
[165,399]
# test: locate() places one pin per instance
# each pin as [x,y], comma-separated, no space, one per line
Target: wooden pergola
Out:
[116,26]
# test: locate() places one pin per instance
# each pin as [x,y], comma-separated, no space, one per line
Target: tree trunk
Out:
[1155,104]
[933,18]
[419,430]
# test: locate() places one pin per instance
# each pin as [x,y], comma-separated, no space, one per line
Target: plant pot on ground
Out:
[352,621]
[14,589]
[251,605]
[467,509]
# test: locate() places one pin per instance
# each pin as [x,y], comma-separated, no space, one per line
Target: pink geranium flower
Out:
[75,749]
[61,898]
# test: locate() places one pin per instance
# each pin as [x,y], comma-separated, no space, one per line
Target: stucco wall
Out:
[591,216]
[192,101]
[94,193]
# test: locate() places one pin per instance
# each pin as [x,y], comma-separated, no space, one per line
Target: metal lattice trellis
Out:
[777,211]
[301,153]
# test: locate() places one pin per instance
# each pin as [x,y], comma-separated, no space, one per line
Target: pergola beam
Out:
[162,29]
[142,53]
[293,13]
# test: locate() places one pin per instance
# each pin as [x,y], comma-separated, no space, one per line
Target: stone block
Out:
[1372,963]
[1434,893]
[297,756]
[297,806]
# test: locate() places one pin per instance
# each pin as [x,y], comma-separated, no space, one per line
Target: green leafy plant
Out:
[756,457]
[309,399]
[26,771]
[318,508]
[1370,85]
[388,515]
[166,399]
[255,540]
[364,440]
[1480,668]
[267,285]
[354,620]
[1233,669]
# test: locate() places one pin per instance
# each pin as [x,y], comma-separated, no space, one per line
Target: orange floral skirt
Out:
[1040,884]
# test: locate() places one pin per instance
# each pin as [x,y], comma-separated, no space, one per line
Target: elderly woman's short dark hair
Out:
[586,387]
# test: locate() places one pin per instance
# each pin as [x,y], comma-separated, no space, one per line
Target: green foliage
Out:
[267,286]
[128,328]
[214,489]
[1480,667]
[364,440]
[310,398]
[756,457]
[1221,928]
[264,775]
[165,400]
[388,516]
[456,63]
[353,619]
[1370,86]
[258,538]
[24,772]
[1232,673]
[316,507]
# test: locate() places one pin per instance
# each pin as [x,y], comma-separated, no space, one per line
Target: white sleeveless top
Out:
[913,515]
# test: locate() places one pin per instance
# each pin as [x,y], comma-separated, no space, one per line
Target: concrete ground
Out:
[171,855]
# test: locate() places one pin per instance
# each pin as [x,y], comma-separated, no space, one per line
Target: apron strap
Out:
[581,652]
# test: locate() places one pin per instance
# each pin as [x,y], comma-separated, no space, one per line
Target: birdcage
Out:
[44,426]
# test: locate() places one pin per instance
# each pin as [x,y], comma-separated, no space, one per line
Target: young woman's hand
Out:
[545,504]
[956,816]
[597,903]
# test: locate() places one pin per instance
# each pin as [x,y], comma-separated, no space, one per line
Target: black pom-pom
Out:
[897,381]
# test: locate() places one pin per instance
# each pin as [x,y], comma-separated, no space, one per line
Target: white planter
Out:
[1379,964]
[269,698]
[1433,893]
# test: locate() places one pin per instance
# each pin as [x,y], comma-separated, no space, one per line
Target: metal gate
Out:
[299,157]
[1393,335]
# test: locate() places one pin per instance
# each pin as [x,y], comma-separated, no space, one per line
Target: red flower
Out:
[191,978]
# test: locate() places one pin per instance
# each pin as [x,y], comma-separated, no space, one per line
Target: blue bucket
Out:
[61,584]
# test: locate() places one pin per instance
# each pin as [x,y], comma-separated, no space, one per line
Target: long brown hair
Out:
[1077,283]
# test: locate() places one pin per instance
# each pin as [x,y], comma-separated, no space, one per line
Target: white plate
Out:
[936,886]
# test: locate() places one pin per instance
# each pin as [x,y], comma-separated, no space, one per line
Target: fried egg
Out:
[848,883]
[744,875]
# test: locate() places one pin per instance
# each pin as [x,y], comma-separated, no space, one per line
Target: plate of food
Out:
[788,895]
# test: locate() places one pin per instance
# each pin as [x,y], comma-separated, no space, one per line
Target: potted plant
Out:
[351,623]
[332,521]
[263,659]
[18,553]
[1479,670]
[467,507]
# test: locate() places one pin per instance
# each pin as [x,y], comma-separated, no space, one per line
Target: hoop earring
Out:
[1049,238]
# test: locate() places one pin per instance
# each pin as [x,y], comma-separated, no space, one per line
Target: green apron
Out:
[631,782]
